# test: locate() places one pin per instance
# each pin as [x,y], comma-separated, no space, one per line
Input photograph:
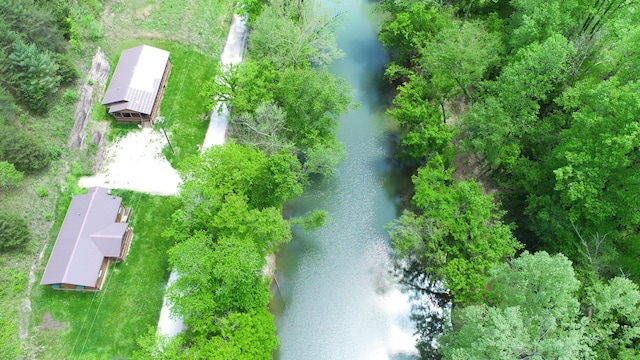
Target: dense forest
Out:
[535,255]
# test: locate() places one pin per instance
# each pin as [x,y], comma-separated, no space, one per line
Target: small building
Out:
[137,85]
[95,232]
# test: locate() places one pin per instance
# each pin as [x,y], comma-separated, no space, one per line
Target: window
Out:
[126,115]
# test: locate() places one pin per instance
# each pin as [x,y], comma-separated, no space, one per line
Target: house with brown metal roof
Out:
[95,232]
[137,85]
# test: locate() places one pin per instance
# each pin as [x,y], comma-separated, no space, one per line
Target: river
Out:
[336,299]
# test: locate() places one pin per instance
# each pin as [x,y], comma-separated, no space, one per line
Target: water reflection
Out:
[339,298]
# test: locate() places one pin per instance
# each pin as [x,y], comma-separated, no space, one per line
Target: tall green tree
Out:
[457,58]
[455,235]
[423,130]
[35,75]
[291,33]
[594,164]
[534,314]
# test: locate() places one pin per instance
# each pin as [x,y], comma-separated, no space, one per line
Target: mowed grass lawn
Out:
[184,106]
[106,324]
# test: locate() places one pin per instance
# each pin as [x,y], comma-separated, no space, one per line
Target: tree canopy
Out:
[544,95]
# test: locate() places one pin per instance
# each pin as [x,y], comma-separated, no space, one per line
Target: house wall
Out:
[130,116]
[163,85]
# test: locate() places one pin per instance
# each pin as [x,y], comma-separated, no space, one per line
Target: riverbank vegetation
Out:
[284,109]
[541,100]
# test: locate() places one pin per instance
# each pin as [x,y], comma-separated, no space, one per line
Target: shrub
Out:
[66,70]
[24,151]
[42,191]
[9,176]
[14,231]
[70,97]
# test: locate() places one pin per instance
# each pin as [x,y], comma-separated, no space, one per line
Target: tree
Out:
[23,150]
[323,158]
[215,277]
[597,158]
[263,129]
[455,235]
[313,100]
[591,172]
[457,58]
[243,336]
[14,231]
[534,313]
[410,26]
[423,131]
[294,34]
[613,319]
[35,75]
[245,171]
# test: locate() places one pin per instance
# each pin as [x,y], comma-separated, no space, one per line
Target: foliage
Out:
[455,235]
[534,313]
[24,151]
[457,58]
[231,219]
[311,99]
[614,319]
[263,129]
[9,176]
[10,110]
[294,34]
[311,221]
[34,74]
[410,26]
[551,118]
[234,169]
[423,131]
[14,231]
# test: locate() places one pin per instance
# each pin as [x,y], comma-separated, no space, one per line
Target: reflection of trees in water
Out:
[430,304]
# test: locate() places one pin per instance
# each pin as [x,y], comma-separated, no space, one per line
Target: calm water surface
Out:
[337,299]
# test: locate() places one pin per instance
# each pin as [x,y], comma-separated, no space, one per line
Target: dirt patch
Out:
[144,13]
[49,323]
[136,162]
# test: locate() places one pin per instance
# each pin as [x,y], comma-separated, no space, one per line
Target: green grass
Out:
[183,107]
[106,324]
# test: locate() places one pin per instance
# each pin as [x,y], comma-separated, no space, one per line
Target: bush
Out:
[66,70]
[23,150]
[42,191]
[9,176]
[14,231]
[70,97]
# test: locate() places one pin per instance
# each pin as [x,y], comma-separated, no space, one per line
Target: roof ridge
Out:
[84,222]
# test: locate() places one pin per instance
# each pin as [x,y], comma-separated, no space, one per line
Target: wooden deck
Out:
[126,245]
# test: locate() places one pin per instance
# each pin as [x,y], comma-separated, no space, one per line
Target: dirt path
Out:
[231,55]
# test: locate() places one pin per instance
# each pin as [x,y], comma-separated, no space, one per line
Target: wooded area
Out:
[544,94]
